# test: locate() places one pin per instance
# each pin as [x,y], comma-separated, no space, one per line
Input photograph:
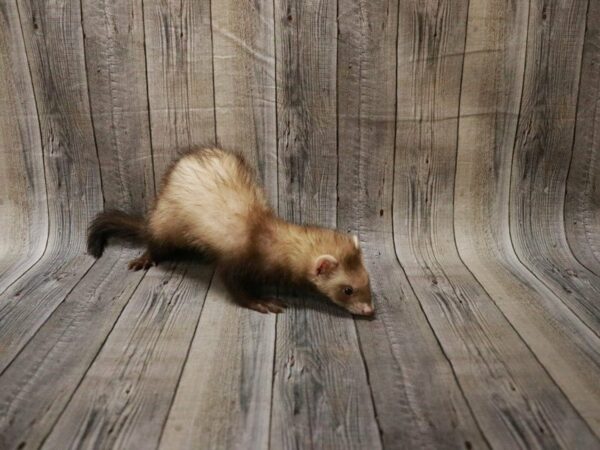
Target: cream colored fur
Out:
[208,199]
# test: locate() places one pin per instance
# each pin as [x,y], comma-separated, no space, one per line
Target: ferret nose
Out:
[367,310]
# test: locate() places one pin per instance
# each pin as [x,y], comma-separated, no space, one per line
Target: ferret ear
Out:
[355,240]
[324,265]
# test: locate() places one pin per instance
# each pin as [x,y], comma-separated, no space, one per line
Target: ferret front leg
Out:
[245,294]
[262,305]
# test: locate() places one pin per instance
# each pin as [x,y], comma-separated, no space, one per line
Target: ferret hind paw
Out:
[143,262]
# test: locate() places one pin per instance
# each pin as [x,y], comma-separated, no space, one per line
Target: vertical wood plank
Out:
[224,396]
[54,45]
[417,398]
[542,154]
[306,110]
[366,73]
[23,205]
[513,399]
[244,67]
[124,399]
[582,207]
[320,394]
[180,77]
[490,102]
[116,70]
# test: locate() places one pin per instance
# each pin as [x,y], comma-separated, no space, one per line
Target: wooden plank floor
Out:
[458,139]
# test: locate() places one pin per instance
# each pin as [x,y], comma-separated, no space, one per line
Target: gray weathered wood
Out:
[513,399]
[306,110]
[229,370]
[458,139]
[418,400]
[490,100]
[224,397]
[542,153]
[321,395]
[180,77]
[116,70]
[54,45]
[366,103]
[244,68]
[60,353]
[23,208]
[582,211]
[125,396]
[417,410]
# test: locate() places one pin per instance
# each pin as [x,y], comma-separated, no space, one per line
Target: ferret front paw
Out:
[266,305]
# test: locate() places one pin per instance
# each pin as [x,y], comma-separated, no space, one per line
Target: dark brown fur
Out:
[114,223]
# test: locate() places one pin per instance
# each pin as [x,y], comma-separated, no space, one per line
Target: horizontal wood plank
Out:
[60,353]
[224,397]
[124,398]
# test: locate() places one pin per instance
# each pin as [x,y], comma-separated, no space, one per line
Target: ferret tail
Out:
[114,223]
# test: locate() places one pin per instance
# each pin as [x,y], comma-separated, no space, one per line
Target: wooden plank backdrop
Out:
[458,139]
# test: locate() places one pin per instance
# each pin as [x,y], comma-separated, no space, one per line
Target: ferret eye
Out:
[348,290]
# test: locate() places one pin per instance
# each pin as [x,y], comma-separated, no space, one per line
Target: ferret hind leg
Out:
[142,262]
[153,255]
[246,294]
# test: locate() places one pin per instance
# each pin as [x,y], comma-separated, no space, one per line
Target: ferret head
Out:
[343,278]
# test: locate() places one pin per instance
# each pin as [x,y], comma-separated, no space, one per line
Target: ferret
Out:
[209,202]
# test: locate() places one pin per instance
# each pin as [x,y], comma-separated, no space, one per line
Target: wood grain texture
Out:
[320,393]
[458,139]
[582,203]
[37,386]
[418,400]
[180,77]
[399,347]
[54,45]
[116,69]
[366,103]
[244,72]
[124,398]
[306,110]
[491,92]
[23,206]
[224,396]
[495,369]
[542,153]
